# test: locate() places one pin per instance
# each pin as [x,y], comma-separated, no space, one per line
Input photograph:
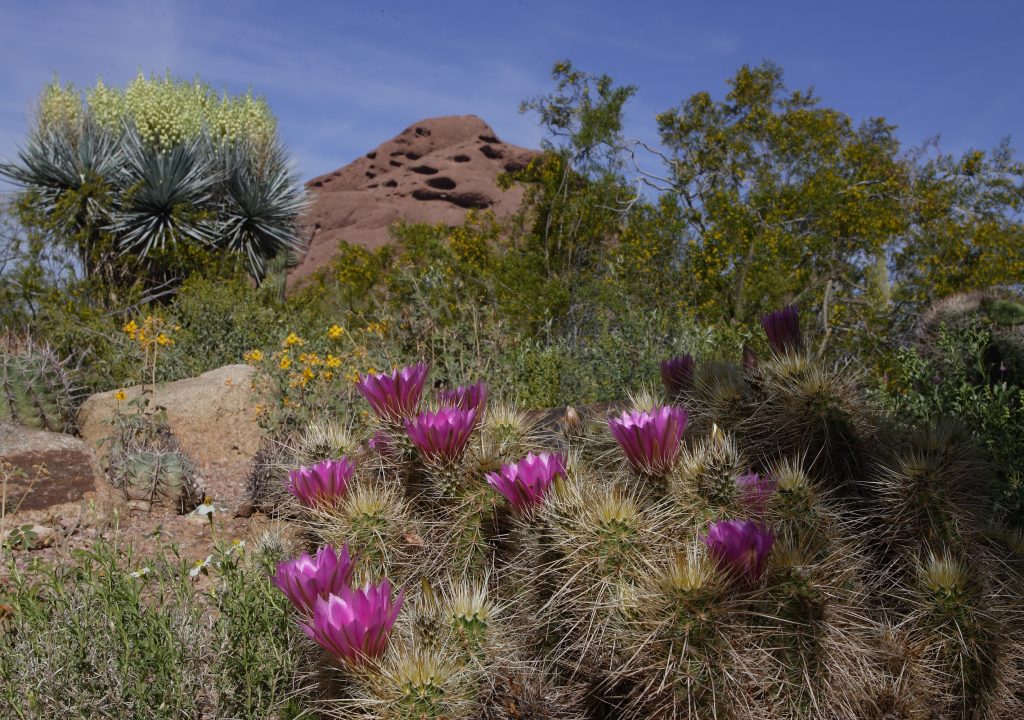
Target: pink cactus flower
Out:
[739,547]
[394,395]
[354,625]
[783,330]
[305,579]
[442,434]
[324,484]
[677,374]
[465,397]
[650,440]
[756,490]
[525,483]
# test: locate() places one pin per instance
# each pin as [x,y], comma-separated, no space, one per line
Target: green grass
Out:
[88,639]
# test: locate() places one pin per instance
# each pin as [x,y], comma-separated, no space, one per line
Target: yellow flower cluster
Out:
[335,332]
[151,331]
[292,340]
[253,356]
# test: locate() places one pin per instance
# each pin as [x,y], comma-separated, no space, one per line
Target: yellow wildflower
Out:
[307,374]
[335,332]
[164,340]
[131,328]
[253,356]
[352,376]
[120,395]
[293,340]
[326,374]
[332,362]
[286,362]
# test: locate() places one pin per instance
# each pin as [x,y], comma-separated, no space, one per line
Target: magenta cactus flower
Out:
[650,440]
[525,483]
[739,547]
[677,374]
[783,330]
[442,434]
[756,490]
[394,395]
[353,625]
[322,484]
[304,579]
[466,397]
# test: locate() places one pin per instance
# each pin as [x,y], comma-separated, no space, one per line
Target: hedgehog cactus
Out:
[35,389]
[744,573]
[159,476]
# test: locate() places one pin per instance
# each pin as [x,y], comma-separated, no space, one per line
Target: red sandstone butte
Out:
[432,172]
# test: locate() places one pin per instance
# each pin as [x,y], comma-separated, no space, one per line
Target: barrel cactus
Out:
[35,386]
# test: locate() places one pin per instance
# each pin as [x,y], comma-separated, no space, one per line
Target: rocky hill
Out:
[433,172]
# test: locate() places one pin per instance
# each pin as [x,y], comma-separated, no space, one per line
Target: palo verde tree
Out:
[147,183]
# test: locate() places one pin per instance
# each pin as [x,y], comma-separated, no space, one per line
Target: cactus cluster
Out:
[35,386]
[149,466]
[755,544]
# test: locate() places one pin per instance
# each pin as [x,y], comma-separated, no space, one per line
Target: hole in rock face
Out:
[372,155]
[488,139]
[373,185]
[441,183]
[371,175]
[412,155]
[317,225]
[391,183]
[465,200]
[394,163]
[318,183]
[424,170]
[490,152]
[422,132]
[461,158]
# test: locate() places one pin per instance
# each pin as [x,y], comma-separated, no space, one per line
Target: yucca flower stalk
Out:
[304,579]
[395,395]
[323,484]
[525,483]
[465,397]
[677,374]
[650,440]
[739,548]
[755,491]
[353,625]
[442,434]
[783,330]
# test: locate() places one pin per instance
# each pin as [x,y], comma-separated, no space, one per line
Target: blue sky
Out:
[344,76]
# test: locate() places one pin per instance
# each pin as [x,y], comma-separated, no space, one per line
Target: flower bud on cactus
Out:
[650,440]
[305,578]
[354,625]
[739,547]
[324,484]
[783,330]
[677,374]
[756,490]
[394,395]
[525,483]
[442,434]
[465,397]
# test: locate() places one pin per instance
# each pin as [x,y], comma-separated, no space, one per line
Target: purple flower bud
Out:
[525,483]
[756,491]
[739,547]
[354,625]
[465,397]
[677,374]
[323,484]
[442,434]
[650,440]
[305,579]
[783,330]
[394,395]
